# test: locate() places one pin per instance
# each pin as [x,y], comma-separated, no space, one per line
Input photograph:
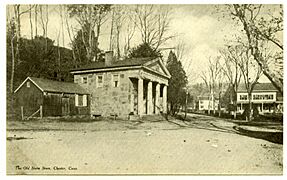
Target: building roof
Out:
[47,85]
[119,63]
[259,87]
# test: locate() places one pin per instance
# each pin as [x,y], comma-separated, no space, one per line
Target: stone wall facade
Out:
[107,100]
[138,91]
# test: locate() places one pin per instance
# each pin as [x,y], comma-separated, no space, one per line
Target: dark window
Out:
[116,80]
[100,81]
[243,97]
[85,80]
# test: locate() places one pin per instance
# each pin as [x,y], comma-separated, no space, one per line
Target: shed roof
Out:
[261,87]
[119,63]
[47,85]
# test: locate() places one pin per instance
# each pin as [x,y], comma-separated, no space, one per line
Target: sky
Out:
[201,28]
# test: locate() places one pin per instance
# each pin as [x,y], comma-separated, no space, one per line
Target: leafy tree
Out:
[144,50]
[177,84]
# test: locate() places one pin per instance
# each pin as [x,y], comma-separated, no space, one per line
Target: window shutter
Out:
[76,100]
[84,100]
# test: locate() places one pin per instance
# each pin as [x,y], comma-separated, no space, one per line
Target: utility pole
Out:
[186,96]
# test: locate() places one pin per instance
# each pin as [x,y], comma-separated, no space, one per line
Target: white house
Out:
[205,103]
[265,97]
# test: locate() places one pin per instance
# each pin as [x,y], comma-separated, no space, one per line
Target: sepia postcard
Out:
[144,89]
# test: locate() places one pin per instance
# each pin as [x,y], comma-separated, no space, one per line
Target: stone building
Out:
[136,86]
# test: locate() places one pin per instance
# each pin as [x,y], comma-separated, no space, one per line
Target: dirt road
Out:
[149,148]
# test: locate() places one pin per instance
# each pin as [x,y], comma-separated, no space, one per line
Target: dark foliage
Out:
[144,50]
[177,84]
[79,46]
[40,58]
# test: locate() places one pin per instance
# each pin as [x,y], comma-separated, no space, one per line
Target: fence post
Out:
[22,112]
[41,111]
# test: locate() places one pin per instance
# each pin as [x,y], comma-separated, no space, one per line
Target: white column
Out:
[164,99]
[149,98]
[140,96]
[157,94]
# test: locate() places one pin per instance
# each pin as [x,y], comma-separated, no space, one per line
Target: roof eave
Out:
[28,78]
[105,69]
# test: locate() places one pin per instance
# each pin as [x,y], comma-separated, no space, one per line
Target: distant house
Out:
[265,98]
[135,86]
[56,98]
[205,103]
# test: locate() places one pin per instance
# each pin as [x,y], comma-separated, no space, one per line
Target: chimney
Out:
[108,58]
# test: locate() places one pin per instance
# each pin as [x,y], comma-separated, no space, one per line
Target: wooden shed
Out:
[51,98]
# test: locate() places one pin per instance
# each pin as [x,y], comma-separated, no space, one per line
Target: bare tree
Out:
[112,29]
[180,49]
[260,25]
[71,33]
[153,22]
[36,19]
[90,18]
[130,31]
[220,82]
[44,19]
[210,79]
[250,70]
[16,56]
[44,22]
[118,17]
[31,23]
[58,50]
[232,72]
[62,24]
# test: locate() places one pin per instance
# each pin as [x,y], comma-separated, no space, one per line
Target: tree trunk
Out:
[36,21]
[31,24]
[213,103]
[219,104]
[118,43]
[16,56]
[13,66]
[235,111]
[209,105]
[249,112]
[111,35]
[97,40]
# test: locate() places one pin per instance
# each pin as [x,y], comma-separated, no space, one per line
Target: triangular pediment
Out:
[157,66]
